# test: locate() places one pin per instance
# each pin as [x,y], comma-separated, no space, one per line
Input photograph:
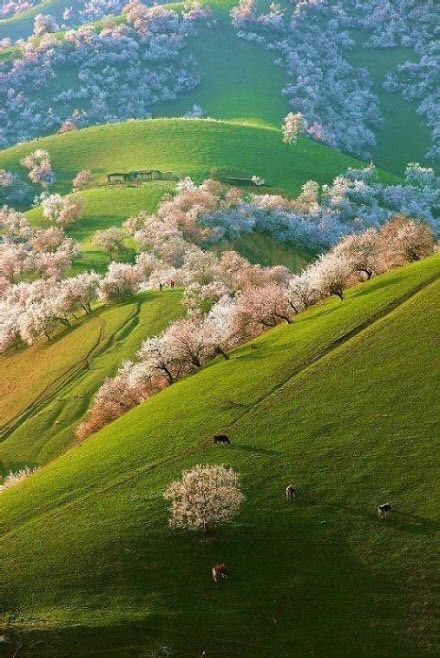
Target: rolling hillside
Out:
[342,404]
[186,147]
[240,82]
[46,389]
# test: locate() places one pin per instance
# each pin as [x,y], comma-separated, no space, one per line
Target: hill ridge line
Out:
[339,342]
[236,123]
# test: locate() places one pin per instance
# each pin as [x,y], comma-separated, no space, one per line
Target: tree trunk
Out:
[222,353]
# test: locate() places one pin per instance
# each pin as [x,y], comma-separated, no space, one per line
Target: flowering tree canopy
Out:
[206,496]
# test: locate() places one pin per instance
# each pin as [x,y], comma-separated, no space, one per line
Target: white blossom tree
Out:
[293,126]
[204,497]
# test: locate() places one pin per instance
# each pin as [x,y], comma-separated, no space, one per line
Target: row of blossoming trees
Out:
[229,300]
[120,72]
[172,243]
[335,97]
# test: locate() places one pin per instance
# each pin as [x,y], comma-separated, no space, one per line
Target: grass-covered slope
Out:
[189,147]
[403,136]
[45,390]
[343,405]
[105,207]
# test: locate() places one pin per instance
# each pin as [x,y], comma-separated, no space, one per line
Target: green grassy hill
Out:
[343,405]
[190,147]
[46,389]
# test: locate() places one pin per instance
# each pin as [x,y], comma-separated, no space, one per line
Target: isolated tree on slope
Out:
[293,125]
[330,274]
[40,170]
[206,496]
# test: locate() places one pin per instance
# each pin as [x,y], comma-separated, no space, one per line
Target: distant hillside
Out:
[343,405]
[186,147]
[240,82]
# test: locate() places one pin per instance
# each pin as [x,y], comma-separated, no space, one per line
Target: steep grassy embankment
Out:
[45,390]
[342,404]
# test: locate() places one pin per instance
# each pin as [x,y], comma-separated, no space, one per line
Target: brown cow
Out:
[219,573]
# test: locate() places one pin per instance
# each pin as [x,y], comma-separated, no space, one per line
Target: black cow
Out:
[383,511]
[221,439]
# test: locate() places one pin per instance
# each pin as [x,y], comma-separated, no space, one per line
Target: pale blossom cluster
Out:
[44,24]
[206,496]
[11,7]
[119,72]
[39,168]
[293,126]
[62,210]
[82,180]
[15,477]
[45,252]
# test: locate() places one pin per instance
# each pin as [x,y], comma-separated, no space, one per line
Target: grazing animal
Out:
[221,438]
[383,511]
[290,493]
[219,573]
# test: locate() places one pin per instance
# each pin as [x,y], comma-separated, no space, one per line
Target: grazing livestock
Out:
[383,511]
[219,573]
[221,438]
[290,493]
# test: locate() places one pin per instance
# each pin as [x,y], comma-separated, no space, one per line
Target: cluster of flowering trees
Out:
[335,98]
[14,190]
[318,218]
[29,252]
[31,310]
[172,244]
[230,301]
[12,7]
[120,72]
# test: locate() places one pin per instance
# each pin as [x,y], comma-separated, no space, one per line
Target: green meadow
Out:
[342,404]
